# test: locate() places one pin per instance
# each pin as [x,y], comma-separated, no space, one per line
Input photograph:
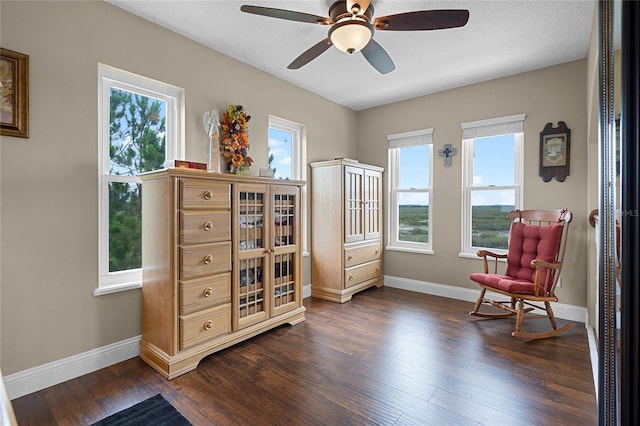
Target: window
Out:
[139,130]
[410,177]
[285,148]
[492,180]
[288,159]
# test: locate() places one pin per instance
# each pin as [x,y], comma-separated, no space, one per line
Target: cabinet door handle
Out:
[208,325]
[207,292]
[207,259]
[208,226]
[207,195]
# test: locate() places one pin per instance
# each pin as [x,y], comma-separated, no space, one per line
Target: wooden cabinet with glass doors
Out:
[346,231]
[221,263]
[266,255]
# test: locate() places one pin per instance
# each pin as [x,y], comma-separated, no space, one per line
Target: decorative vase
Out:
[233,169]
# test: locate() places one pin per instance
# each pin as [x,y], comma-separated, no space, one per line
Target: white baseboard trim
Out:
[43,376]
[561,310]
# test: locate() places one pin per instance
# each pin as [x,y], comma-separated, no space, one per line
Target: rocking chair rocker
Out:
[537,242]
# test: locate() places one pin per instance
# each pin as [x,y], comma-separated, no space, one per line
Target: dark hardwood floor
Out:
[388,357]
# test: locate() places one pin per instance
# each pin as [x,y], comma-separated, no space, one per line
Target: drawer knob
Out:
[377,251]
[208,226]
[350,257]
[207,195]
[207,292]
[377,269]
[207,259]
[208,325]
[350,277]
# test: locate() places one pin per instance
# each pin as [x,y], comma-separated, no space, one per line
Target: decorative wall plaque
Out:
[554,152]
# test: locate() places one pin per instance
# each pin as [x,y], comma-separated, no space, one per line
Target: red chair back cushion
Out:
[528,242]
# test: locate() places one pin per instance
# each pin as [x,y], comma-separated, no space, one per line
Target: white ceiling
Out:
[501,38]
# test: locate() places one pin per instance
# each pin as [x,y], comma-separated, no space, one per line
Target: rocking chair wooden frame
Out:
[547,275]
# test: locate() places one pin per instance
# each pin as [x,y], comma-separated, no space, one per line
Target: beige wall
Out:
[49,181]
[546,95]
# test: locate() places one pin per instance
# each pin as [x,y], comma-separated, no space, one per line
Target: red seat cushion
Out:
[526,242]
[504,283]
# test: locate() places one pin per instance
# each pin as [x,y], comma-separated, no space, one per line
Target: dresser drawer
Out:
[205,227]
[202,194]
[362,273]
[205,325]
[205,259]
[204,293]
[357,255]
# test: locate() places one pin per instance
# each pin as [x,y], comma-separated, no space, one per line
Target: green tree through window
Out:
[137,136]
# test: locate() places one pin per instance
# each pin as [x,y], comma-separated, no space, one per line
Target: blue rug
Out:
[155,411]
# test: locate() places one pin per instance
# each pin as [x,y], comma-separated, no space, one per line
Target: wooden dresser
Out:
[221,260]
[346,217]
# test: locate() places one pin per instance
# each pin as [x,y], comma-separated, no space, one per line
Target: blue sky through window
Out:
[494,165]
[280,147]
[414,174]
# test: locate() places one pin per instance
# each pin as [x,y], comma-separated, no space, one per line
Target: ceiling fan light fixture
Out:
[351,36]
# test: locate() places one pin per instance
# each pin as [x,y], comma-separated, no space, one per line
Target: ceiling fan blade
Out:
[310,54]
[378,57]
[289,15]
[423,20]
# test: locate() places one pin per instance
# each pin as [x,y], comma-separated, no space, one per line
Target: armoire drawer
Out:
[204,325]
[358,255]
[204,194]
[204,293]
[362,273]
[205,227]
[204,259]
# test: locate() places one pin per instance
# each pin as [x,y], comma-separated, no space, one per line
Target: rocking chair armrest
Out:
[485,254]
[539,264]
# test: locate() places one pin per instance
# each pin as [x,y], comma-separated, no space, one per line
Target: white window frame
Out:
[397,141]
[108,78]
[512,124]
[298,165]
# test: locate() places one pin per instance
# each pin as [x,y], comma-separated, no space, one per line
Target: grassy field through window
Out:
[490,227]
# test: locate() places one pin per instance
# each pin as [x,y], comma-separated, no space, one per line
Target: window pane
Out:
[414,166]
[137,130]
[489,224]
[280,153]
[494,161]
[413,217]
[125,226]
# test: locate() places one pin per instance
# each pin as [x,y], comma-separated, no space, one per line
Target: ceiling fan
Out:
[352,28]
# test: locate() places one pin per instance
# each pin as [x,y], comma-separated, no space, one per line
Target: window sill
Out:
[101,291]
[409,250]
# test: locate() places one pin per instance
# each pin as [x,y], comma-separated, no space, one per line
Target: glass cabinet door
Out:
[353,203]
[286,241]
[251,297]
[372,204]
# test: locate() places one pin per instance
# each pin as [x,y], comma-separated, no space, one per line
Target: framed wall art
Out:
[554,152]
[14,94]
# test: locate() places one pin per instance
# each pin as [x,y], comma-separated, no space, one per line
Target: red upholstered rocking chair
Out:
[537,242]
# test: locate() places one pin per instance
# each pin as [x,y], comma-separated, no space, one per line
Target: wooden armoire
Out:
[346,231]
